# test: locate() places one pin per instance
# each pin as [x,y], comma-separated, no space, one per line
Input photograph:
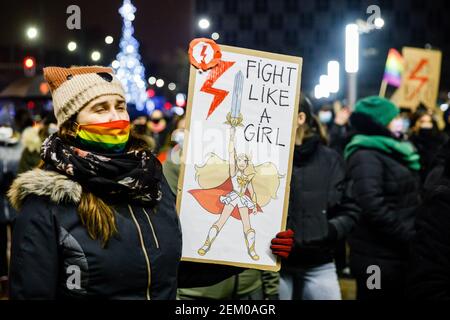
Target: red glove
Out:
[283,243]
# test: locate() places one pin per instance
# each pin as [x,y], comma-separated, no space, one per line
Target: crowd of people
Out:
[91,190]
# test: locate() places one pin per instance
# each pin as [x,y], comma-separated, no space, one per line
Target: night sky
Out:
[161,27]
[165,27]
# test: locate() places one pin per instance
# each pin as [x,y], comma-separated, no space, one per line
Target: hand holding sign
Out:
[245,106]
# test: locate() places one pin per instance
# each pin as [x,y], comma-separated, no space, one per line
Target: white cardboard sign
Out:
[237,157]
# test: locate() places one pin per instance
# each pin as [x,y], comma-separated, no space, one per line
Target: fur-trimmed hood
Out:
[56,186]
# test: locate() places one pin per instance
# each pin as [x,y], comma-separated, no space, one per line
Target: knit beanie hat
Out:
[381,110]
[72,88]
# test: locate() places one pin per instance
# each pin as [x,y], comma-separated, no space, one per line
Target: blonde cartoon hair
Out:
[266,179]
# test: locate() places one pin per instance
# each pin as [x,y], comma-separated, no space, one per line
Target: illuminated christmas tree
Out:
[128,65]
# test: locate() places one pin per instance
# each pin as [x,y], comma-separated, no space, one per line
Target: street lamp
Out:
[160,83]
[29,66]
[351,60]
[151,80]
[203,23]
[333,76]
[379,23]
[321,90]
[317,91]
[323,82]
[72,46]
[115,64]
[351,48]
[96,56]
[109,40]
[215,36]
[32,33]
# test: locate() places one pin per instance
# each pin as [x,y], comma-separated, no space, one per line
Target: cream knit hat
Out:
[72,88]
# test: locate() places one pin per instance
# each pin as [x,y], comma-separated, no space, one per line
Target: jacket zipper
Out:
[151,226]
[147,260]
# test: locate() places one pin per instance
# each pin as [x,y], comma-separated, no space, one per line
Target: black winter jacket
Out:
[320,207]
[387,192]
[53,256]
[428,144]
[429,265]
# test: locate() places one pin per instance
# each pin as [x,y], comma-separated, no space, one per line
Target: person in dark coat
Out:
[98,219]
[320,213]
[386,184]
[429,265]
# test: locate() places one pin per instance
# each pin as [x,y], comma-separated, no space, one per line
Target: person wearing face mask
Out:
[157,125]
[97,219]
[325,116]
[427,138]
[385,175]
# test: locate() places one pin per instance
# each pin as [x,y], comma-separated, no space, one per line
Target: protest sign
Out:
[236,167]
[420,79]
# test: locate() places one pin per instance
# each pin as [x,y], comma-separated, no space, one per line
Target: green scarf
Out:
[388,145]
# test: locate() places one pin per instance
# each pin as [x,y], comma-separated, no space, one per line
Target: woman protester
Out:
[97,219]
[385,174]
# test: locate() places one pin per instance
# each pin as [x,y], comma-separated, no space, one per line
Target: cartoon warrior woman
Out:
[236,188]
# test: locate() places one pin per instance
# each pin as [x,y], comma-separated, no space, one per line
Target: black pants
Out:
[392,278]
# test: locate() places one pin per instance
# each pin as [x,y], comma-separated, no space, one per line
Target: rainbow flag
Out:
[108,136]
[394,68]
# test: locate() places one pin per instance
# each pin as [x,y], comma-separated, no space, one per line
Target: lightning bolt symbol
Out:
[219,94]
[414,76]
[203,53]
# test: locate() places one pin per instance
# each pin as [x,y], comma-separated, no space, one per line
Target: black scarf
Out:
[303,152]
[132,176]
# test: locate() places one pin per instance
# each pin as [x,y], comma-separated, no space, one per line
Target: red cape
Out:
[209,199]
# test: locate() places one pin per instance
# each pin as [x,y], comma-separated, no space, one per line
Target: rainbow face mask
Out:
[107,136]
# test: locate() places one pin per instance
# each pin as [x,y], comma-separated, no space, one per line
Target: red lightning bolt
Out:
[219,94]
[203,53]
[414,76]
